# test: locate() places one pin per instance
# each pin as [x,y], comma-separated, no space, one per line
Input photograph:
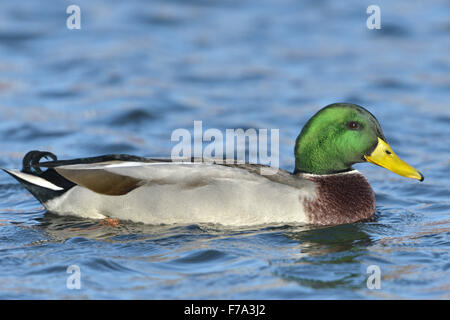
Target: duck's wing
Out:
[120,174]
[122,177]
[98,179]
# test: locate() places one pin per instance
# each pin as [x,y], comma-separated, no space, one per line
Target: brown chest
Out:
[341,198]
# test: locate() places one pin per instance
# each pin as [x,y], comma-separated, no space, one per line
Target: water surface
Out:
[137,70]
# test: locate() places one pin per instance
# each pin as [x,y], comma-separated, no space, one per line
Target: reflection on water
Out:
[137,71]
[321,241]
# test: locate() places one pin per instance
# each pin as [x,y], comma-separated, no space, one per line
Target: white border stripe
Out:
[34,180]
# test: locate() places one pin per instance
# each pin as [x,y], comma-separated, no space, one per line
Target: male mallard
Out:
[323,189]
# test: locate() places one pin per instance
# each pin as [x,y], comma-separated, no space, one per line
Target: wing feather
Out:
[101,181]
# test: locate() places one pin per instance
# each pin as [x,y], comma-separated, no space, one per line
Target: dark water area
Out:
[137,70]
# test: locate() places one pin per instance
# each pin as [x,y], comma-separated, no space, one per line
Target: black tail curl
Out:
[30,163]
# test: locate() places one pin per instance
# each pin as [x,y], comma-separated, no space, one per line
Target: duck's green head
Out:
[342,134]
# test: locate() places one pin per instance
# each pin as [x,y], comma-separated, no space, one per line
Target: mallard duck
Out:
[323,189]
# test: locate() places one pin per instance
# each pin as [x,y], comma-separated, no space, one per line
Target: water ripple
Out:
[131,76]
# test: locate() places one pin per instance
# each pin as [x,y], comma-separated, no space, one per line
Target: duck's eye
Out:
[353,125]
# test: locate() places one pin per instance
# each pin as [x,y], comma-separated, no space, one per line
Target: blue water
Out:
[137,70]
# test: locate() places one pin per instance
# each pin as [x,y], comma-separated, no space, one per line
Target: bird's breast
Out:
[340,198]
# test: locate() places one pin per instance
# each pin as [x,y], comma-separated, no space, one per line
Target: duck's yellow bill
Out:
[383,156]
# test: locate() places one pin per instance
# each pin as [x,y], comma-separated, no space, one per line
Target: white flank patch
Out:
[34,180]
